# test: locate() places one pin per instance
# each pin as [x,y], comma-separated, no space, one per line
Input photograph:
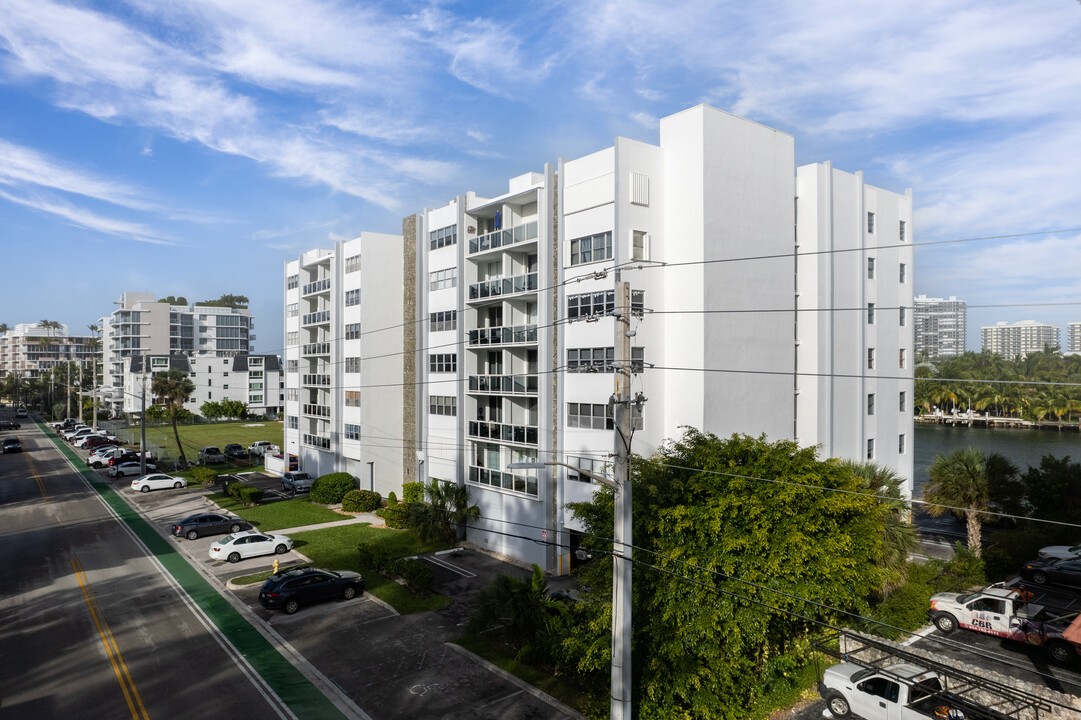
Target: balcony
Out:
[499,432]
[504,480]
[316,318]
[316,287]
[315,349]
[510,335]
[317,441]
[504,384]
[503,238]
[315,380]
[503,286]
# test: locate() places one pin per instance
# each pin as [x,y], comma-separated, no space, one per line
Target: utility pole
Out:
[142,421]
[67,366]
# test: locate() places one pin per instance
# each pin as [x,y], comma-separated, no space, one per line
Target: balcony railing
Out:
[318,441]
[323,316]
[317,286]
[322,411]
[315,349]
[503,286]
[504,384]
[504,480]
[317,380]
[503,335]
[516,434]
[503,238]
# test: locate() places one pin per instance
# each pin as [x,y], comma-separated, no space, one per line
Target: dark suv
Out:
[290,589]
[235,451]
[297,482]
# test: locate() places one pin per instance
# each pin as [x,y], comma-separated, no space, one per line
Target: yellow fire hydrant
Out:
[275,570]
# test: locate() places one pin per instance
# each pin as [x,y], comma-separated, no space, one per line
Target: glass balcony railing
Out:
[507,481]
[503,238]
[500,432]
[322,411]
[317,286]
[504,384]
[319,441]
[316,380]
[315,349]
[323,316]
[503,286]
[503,335]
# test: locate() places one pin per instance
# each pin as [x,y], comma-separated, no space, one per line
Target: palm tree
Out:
[899,537]
[173,388]
[446,513]
[959,480]
[519,611]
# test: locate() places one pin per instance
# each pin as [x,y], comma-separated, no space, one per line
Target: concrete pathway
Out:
[370,518]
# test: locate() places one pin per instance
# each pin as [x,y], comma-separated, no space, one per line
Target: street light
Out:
[541,465]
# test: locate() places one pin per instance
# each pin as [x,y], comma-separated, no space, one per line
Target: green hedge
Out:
[361,501]
[396,516]
[247,494]
[204,476]
[413,492]
[419,580]
[330,489]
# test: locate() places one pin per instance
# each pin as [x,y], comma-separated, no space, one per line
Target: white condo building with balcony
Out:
[1016,340]
[940,326]
[766,300]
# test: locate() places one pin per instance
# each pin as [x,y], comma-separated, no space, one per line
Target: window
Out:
[225,386]
[293,309]
[293,422]
[870,222]
[870,403]
[591,249]
[585,415]
[439,321]
[446,362]
[352,364]
[901,319]
[603,302]
[601,359]
[292,338]
[352,398]
[352,432]
[901,358]
[293,366]
[352,331]
[352,297]
[901,231]
[352,264]
[596,466]
[443,237]
[443,405]
[639,245]
[901,444]
[870,358]
[870,313]
[290,282]
[870,268]
[902,273]
[870,448]
[902,405]
[292,394]
[441,279]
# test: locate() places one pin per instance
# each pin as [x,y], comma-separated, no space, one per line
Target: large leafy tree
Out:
[741,545]
[1053,489]
[445,514]
[959,480]
[519,612]
[172,388]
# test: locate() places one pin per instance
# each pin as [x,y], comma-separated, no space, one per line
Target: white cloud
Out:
[90,220]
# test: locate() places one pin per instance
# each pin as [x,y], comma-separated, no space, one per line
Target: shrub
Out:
[413,492]
[397,515]
[392,498]
[361,501]
[250,495]
[375,557]
[204,476]
[330,489]
[419,580]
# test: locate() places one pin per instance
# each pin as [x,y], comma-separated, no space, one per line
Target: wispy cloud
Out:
[91,221]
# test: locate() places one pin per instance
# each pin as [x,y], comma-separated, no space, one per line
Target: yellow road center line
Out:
[37,478]
[116,659]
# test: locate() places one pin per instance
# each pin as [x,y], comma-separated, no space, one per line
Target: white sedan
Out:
[157,481]
[1062,552]
[249,544]
[130,468]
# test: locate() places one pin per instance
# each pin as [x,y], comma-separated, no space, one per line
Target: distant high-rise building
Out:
[940,326]
[1073,337]
[29,349]
[1019,339]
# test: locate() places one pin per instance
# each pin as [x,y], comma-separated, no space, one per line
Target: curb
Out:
[535,692]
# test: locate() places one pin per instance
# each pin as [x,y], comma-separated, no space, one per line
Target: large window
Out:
[590,416]
[445,362]
[443,405]
[601,359]
[596,466]
[591,249]
[443,237]
[293,423]
[352,398]
[352,331]
[290,282]
[602,303]
[352,297]
[446,320]
[352,264]
[352,364]
[352,432]
[293,309]
[442,279]
[292,338]
[292,394]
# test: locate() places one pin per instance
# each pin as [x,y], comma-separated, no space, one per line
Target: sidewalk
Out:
[370,518]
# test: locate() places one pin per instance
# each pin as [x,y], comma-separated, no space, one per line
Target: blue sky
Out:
[190,147]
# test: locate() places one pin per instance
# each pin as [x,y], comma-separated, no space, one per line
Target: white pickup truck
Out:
[898,692]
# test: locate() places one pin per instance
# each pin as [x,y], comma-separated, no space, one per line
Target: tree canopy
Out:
[173,388]
[230,301]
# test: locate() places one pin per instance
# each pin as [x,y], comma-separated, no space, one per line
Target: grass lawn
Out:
[336,549]
[278,515]
[194,437]
[565,689]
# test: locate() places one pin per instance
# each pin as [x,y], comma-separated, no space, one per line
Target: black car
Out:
[290,589]
[209,524]
[236,452]
[1053,572]
[12,444]
[8,425]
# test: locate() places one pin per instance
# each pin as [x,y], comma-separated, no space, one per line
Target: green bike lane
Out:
[298,693]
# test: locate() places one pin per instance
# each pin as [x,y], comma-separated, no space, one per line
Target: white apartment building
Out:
[940,325]
[28,349]
[1073,337]
[142,326]
[258,381]
[1013,340]
[345,330]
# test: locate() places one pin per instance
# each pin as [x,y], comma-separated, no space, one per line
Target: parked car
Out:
[1053,572]
[297,482]
[290,589]
[12,444]
[259,447]
[157,481]
[196,526]
[8,425]
[211,455]
[249,543]
[65,424]
[85,440]
[130,468]
[68,433]
[236,451]
[1060,552]
[99,441]
[100,456]
[126,456]
[79,434]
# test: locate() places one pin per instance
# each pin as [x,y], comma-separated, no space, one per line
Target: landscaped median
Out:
[303,698]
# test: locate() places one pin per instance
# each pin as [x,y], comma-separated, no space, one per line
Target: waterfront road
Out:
[100,619]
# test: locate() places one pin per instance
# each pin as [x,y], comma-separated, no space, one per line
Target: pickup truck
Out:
[260,447]
[211,455]
[1042,618]
[898,692]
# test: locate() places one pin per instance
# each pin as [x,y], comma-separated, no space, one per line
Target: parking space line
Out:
[448,566]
